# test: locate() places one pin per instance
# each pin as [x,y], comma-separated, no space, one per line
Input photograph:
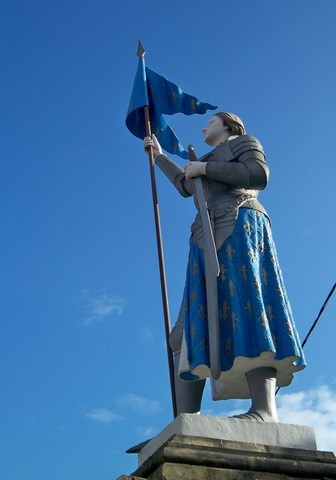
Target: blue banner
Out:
[162,97]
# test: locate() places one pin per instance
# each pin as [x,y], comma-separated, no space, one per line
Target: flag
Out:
[162,97]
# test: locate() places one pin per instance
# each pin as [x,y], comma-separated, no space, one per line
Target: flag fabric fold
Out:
[162,97]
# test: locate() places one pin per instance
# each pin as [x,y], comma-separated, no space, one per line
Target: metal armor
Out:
[235,173]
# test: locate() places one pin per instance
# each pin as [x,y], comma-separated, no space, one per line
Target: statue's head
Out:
[232,121]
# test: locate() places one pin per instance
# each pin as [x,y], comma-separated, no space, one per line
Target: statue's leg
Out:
[261,382]
[188,394]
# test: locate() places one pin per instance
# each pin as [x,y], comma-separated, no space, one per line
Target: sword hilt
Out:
[192,154]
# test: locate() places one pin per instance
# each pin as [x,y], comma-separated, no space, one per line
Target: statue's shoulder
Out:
[233,148]
[244,143]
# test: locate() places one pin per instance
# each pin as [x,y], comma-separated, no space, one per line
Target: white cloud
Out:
[139,404]
[146,431]
[315,408]
[146,334]
[101,307]
[102,415]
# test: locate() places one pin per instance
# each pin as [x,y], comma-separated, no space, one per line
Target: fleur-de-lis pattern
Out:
[223,272]
[254,312]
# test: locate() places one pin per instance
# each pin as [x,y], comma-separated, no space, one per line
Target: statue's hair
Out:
[233,122]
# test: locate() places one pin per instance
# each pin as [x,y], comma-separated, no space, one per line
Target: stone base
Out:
[197,458]
[232,429]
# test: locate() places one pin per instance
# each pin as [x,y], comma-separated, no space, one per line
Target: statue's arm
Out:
[173,171]
[175,174]
[246,169]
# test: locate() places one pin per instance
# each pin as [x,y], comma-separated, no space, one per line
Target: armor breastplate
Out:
[223,202]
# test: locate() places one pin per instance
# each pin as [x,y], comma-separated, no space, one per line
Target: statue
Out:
[258,344]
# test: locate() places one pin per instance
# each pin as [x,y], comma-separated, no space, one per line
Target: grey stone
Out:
[178,471]
[197,458]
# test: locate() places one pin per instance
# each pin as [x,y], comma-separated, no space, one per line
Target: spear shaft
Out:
[162,270]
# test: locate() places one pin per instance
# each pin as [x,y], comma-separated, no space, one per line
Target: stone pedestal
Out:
[196,447]
[197,458]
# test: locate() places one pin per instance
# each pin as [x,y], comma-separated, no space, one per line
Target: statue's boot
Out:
[188,394]
[261,382]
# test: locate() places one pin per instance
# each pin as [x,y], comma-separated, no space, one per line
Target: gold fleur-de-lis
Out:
[252,254]
[262,247]
[263,320]
[269,311]
[231,288]
[194,268]
[158,131]
[174,96]
[288,325]
[234,320]
[201,312]
[264,276]
[257,286]
[230,251]
[193,105]
[193,297]
[280,292]
[248,228]
[223,271]
[275,340]
[243,272]
[224,311]
[273,259]
[248,309]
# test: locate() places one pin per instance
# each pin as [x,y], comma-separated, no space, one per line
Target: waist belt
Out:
[223,216]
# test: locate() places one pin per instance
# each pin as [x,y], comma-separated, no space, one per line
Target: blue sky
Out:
[83,368]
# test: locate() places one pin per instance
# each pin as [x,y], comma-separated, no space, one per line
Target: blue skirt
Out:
[256,323]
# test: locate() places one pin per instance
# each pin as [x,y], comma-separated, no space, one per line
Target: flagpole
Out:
[163,282]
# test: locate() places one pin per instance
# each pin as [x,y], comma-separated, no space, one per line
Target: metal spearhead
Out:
[141,51]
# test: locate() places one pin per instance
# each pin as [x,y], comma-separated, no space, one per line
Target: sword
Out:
[211,273]
[207,229]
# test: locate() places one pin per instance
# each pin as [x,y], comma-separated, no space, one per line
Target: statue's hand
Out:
[152,142]
[195,169]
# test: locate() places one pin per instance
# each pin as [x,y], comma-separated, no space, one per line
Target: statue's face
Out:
[214,131]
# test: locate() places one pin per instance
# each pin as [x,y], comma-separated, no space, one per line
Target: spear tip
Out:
[141,51]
